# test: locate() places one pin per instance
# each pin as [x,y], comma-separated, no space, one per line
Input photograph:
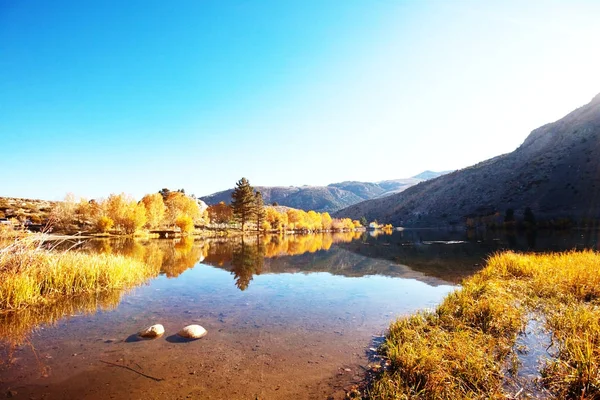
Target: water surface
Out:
[288,317]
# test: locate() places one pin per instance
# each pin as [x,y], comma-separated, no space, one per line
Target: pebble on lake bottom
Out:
[152,332]
[192,332]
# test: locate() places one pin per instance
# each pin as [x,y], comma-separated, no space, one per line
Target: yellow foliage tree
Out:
[326,221]
[314,221]
[104,224]
[294,218]
[185,223]
[127,214]
[179,204]
[265,226]
[155,209]
[276,220]
[134,219]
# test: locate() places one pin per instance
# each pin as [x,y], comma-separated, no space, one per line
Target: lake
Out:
[287,317]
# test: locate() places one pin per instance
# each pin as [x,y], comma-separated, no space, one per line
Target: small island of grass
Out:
[467,346]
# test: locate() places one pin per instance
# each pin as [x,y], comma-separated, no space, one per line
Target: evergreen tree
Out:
[243,202]
[260,209]
[363,221]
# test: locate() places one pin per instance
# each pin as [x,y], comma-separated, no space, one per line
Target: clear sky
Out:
[100,97]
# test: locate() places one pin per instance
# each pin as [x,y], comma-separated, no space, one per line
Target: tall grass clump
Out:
[461,349]
[32,275]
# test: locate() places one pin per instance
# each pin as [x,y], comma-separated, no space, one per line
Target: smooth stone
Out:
[152,332]
[192,332]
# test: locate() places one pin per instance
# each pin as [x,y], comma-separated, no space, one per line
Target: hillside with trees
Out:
[326,198]
[552,179]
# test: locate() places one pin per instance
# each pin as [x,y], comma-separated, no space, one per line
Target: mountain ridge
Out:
[330,198]
[555,172]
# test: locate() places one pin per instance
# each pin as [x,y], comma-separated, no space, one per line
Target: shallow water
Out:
[287,317]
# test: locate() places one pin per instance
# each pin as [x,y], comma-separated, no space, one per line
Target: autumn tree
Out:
[155,209]
[134,219]
[104,224]
[243,202]
[63,212]
[259,204]
[87,212]
[220,213]
[128,215]
[184,223]
[276,220]
[326,221]
[178,204]
[314,221]
[295,218]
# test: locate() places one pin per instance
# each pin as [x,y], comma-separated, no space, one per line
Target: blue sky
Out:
[111,96]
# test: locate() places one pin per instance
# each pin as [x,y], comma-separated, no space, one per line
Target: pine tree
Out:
[243,202]
[260,209]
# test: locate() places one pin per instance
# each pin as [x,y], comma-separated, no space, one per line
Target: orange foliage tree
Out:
[220,213]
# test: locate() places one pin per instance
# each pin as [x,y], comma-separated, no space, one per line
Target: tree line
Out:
[124,214]
[121,213]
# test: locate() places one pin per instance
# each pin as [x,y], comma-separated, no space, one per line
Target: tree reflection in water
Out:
[246,257]
[247,260]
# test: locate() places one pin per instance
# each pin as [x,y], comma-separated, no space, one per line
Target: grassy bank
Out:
[465,348]
[32,275]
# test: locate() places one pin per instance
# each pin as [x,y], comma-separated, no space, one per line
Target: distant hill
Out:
[555,172]
[426,175]
[324,198]
[36,211]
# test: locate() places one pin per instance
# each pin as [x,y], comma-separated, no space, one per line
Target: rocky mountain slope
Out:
[326,198]
[555,172]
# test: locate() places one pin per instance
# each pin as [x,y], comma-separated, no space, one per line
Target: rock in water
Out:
[192,332]
[152,332]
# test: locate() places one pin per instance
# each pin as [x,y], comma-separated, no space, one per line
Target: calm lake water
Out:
[287,317]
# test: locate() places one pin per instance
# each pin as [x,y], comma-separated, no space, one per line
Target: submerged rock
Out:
[152,332]
[192,332]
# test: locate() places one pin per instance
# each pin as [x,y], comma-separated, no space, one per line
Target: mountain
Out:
[323,198]
[426,175]
[555,172]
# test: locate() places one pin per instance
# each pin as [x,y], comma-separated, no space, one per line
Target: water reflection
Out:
[433,257]
[247,260]
[171,257]
[244,257]
[16,326]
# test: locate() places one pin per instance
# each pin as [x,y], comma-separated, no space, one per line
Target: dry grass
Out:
[461,349]
[32,275]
